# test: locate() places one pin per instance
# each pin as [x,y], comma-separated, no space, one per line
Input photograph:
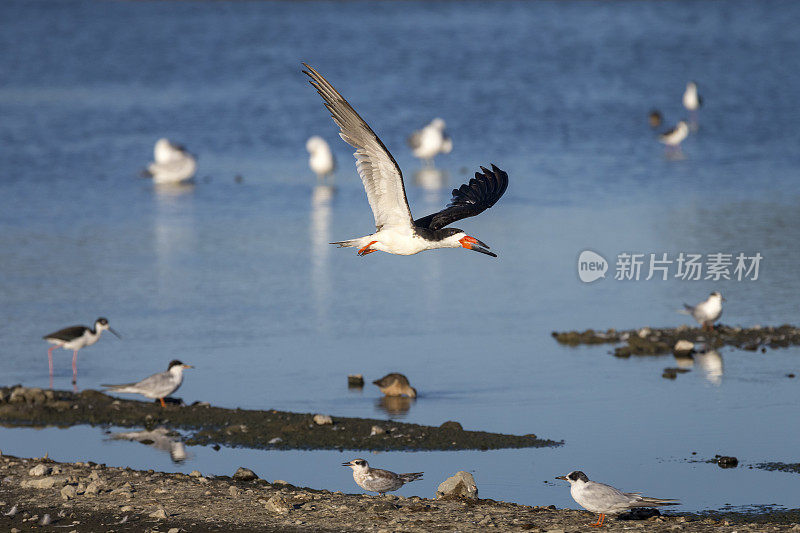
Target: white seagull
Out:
[706,312]
[158,386]
[430,141]
[397,231]
[674,137]
[173,164]
[321,158]
[692,101]
[74,338]
[605,499]
[377,480]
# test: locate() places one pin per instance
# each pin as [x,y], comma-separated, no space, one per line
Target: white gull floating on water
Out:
[321,158]
[173,163]
[430,141]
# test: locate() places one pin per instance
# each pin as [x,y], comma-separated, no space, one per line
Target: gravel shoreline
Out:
[88,497]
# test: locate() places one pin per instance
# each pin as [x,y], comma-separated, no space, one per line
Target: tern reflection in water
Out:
[394,406]
[319,230]
[710,362]
[160,439]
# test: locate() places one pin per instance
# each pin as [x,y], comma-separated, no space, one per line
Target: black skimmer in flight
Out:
[74,338]
[397,231]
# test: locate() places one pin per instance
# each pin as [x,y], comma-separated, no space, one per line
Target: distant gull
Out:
[430,141]
[605,499]
[397,232]
[692,102]
[156,387]
[706,312]
[674,137]
[74,338]
[321,158]
[173,163]
[377,480]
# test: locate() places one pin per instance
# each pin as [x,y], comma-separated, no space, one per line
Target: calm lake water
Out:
[238,278]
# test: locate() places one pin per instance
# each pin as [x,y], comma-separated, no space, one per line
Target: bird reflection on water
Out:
[394,406]
[160,438]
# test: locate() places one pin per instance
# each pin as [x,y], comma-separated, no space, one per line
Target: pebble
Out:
[174,530]
[376,430]
[45,521]
[195,473]
[44,483]
[683,347]
[460,485]
[275,440]
[40,470]
[323,420]
[244,474]
[159,513]
[277,504]
[69,492]
[233,491]
[126,508]
[94,487]
[355,380]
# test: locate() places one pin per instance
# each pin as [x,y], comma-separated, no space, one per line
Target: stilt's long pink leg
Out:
[75,367]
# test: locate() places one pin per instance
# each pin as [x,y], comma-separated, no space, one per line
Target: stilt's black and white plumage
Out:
[74,338]
[397,231]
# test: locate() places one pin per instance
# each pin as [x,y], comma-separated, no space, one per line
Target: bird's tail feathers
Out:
[346,244]
[646,501]
[408,478]
[687,309]
[117,388]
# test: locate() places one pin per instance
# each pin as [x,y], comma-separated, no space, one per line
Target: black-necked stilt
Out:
[320,158]
[430,141]
[74,338]
[172,163]
[395,384]
[692,102]
[605,499]
[377,480]
[655,119]
[674,137]
[398,233]
[156,387]
[706,312]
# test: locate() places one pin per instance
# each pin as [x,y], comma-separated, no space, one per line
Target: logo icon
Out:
[591,266]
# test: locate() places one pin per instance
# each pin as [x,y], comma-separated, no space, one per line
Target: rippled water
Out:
[237,278]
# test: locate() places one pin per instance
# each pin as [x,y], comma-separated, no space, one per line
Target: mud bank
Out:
[87,497]
[209,425]
[653,341]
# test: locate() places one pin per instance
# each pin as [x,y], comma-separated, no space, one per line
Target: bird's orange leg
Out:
[162,402]
[365,250]
[600,520]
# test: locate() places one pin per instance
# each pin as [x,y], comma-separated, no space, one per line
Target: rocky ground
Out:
[658,341]
[76,497]
[270,429]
